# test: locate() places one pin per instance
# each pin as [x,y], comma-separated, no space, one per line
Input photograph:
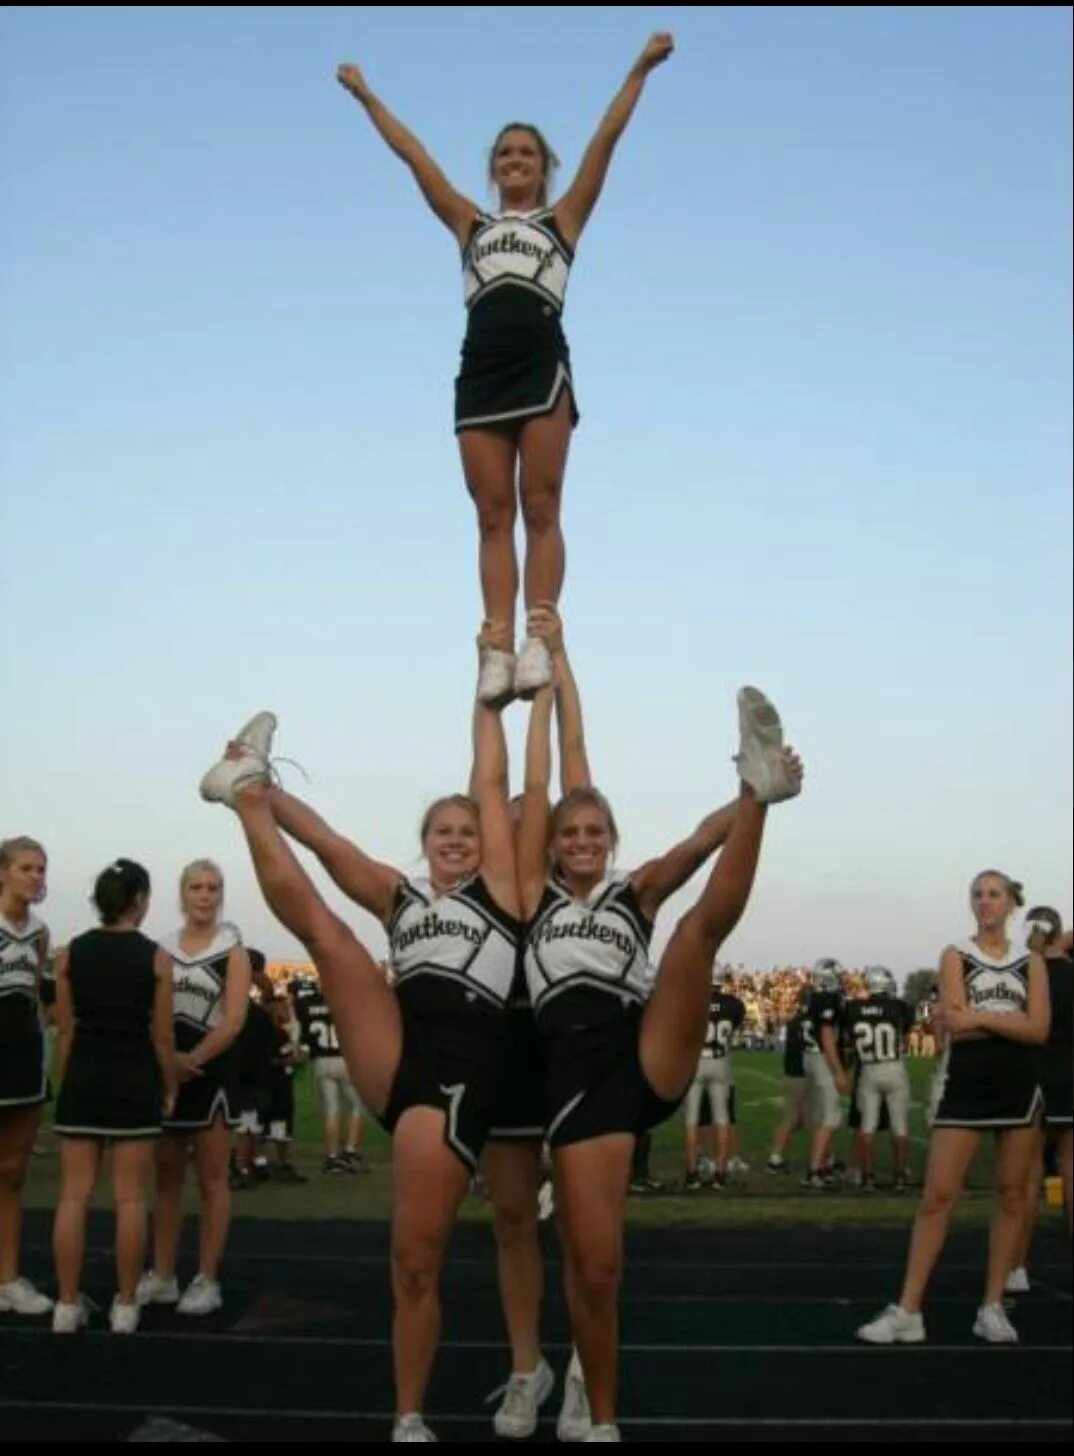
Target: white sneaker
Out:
[201,1296]
[604,1433]
[226,778]
[534,669]
[124,1317]
[736,1165]
[896,1326]
[153,1288]
[993,1325]
[574,1422]
[762,760]
[20,1297]
[525,1394]
[411,1428]
[68,1319]
[496,678]
[257,734]
[1017,1282]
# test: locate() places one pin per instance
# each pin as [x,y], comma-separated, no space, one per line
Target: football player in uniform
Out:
[878,1028]
[824,1071]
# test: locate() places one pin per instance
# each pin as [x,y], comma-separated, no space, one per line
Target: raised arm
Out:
[536,811]
[454,210]
[574,207]
[659,878]
[489,789]
[544,622]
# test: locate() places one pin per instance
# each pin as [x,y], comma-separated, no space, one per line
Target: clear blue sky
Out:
[821,332]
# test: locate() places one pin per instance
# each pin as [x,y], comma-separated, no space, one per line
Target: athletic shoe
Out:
[816,1182]
[762,761]
[334,1165]
[604,1433]
[1017,1282]
[242,1179]
[257,734]
[896,1326]
[901,1184]
[533,669]
[718,1182]
[868,1184]
[201,1296]
[736,1165]
[354,1162]
[20,1297]
[525,1394]
[574,1422]
[692,1184]
[411,1428]
[68,1319]
[123,1318]
[777,1164]
[153,1289]
[495,688]
[226,778]
[993,1325]
[288,1173]
[645,1185]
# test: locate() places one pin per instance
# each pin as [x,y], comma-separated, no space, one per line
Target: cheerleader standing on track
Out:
[117,1060]
[23,1074]
[621,1056]
[1046,936]
[211,990]
[514,397]
[994,1009]
[427,1052]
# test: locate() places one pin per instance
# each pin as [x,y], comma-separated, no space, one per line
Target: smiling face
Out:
[451,842]
[519,168]
[582,844]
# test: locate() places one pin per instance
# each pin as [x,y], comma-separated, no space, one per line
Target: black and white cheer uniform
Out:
[453,959]
[1056,1056]
[112,1086]
[587,965]
[23,950]
[199,979]
[990,1081]
[518,1100]
[515,361]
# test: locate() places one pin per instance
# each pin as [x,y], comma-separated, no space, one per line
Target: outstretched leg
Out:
[673,1025]
[364,1007]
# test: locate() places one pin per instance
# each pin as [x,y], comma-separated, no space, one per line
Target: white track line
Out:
[669,1422]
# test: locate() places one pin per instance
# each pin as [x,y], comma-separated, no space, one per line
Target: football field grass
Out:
[752,1198]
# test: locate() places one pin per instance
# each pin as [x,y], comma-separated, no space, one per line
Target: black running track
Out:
[736,1335]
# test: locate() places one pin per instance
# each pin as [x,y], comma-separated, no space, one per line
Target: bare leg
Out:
[18,1128]
[513,1174]
[429,1183]
[364,1008]
[168,1204]
[79,1160]
[543,446]
[675,1020]
[1013,1162]
[211,1148]
[950,1154]
[591,1190]
[1029,1222]
[132,1168]
[488,463]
